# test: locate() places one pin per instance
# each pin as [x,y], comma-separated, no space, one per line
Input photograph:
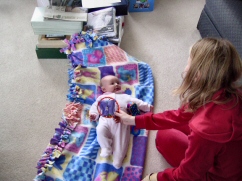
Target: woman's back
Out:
[221,125]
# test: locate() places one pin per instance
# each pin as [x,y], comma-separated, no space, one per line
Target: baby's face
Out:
[110,84]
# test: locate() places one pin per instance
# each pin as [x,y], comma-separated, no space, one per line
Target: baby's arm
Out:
[93,117]
[93,112]
[143,106]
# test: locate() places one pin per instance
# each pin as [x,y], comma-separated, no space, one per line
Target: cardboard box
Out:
[50,53]
[141,5]
[45,42]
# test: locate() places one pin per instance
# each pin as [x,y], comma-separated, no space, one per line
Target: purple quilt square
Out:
[138,151]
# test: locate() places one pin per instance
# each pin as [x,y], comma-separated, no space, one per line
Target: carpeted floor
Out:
[33,92]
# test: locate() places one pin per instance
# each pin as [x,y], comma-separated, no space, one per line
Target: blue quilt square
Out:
[145,93]
[79,169]
[91,147]
[145,75]
[104,170]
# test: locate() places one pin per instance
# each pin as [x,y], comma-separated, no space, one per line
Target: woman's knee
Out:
[172,144]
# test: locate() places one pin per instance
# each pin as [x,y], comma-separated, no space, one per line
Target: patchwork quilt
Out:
[73,151]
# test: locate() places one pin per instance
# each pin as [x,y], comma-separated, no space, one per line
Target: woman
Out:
[202,140]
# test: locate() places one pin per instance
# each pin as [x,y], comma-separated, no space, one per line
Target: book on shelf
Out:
[103,22]
[120,31]
[42,26]
[52,41]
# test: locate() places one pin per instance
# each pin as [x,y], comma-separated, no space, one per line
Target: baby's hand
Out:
[116,119]
[92,117]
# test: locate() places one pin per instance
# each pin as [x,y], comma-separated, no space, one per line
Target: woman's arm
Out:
[143,106]
[164,120]
[150,121]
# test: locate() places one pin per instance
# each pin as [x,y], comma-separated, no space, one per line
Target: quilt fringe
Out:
[70,118]
[87,38]
[82,40]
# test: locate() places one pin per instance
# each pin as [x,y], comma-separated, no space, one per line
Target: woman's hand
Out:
[151,177]
[124,118]
[152,109]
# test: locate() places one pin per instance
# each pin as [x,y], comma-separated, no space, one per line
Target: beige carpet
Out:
[33,92]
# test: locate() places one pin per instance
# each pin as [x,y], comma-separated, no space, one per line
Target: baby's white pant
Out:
[113,138]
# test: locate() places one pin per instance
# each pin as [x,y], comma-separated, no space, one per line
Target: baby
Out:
[113,136]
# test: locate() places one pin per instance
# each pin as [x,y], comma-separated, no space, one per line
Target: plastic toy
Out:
[106,107]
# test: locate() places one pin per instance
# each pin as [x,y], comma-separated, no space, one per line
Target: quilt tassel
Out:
[71,117]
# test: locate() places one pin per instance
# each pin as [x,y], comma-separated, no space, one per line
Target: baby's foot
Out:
[117,165]
[105,152]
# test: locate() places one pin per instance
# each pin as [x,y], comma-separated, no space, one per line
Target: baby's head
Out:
[110,83]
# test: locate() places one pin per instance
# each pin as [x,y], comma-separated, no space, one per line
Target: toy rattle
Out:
[134,110]
[106,107]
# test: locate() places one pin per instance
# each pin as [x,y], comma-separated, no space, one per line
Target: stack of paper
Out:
[120,31]
[103,22]
[43,26]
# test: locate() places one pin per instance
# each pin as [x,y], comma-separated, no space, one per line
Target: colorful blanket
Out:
[73,151]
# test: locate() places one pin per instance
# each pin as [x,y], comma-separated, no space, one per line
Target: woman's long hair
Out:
[215,65]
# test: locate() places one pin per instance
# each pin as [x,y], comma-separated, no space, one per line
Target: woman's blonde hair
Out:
[215,64]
